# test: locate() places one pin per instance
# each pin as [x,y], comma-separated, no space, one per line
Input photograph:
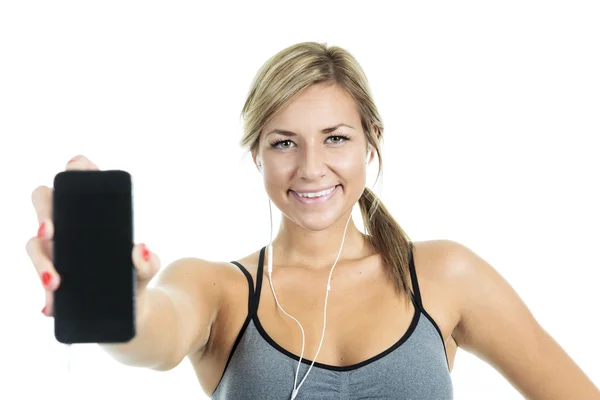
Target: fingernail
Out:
[41,230]
[72,160]
[46,279]
[145,253]
[44,310]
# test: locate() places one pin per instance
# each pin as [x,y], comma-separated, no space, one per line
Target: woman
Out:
[345,314]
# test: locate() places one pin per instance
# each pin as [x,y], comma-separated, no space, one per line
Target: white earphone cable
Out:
[281,308]
[68,357]
[270,270]
[68,392]
[325,307]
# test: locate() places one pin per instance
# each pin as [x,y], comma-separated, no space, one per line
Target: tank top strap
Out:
[416,294]
[259,277]
[251,295]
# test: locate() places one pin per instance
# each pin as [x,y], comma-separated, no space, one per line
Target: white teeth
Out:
[317,194]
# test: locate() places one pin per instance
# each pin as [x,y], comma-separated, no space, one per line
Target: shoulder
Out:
[201,280]
[207,275]
[448,261]
[443,261]
[481,297]
[193,270]
[458,271]
[441,266]
[460,289]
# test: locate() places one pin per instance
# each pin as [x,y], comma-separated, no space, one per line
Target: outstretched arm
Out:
[175,316]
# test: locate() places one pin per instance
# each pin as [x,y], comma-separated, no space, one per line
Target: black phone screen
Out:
[93,242]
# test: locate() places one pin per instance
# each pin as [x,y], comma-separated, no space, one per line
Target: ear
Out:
[376,131]
[257,161]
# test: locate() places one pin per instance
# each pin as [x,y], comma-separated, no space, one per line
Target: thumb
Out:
[146,263]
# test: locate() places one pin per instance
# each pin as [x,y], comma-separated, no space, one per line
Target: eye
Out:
[282,144]
[335,139]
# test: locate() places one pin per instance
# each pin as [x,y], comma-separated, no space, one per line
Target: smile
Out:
[315,197]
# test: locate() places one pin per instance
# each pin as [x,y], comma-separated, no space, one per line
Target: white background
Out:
[491,116]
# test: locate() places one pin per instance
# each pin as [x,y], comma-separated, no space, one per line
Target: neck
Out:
[318,249]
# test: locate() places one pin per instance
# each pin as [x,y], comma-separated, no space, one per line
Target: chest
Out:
[413,370]
[364,317]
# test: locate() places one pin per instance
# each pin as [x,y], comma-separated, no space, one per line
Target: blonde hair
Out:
[286,74]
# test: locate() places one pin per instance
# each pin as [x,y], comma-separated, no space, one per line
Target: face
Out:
[313,156]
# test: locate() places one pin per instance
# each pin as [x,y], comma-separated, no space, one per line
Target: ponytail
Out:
[388,239]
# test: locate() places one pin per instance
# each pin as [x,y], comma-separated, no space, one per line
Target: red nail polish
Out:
[41,230]
[145,253]
[72,160]
[44,310]
[46,278]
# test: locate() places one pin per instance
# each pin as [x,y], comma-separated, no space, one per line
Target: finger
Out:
[43,265]
[41,198]
[146,262]
[45,232]
[48,309]
[80,162]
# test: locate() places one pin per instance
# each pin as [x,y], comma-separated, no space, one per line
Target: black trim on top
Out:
[404,338]
[437,328]
[259,279]
[413,278]
[251,296]
[417,294]
[413,324]
[251,310]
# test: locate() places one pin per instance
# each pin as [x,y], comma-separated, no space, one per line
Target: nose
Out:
[312,164]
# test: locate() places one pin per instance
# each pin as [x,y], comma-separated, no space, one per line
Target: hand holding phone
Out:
[84,254]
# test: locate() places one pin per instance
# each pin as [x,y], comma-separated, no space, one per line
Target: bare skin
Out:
[197,307]
[365,315]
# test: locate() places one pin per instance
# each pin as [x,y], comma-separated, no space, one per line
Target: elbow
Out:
[166,365]
[168,361]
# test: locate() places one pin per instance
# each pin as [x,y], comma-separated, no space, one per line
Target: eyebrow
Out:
[290,133]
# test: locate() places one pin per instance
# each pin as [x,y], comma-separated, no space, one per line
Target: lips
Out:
[315,192]
[318,197]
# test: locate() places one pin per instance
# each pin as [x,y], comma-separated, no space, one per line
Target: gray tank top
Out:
[415,367]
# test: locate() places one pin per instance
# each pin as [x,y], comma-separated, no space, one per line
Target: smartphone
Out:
[92,213]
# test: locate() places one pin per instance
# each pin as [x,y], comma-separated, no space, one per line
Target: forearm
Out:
[157,330]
